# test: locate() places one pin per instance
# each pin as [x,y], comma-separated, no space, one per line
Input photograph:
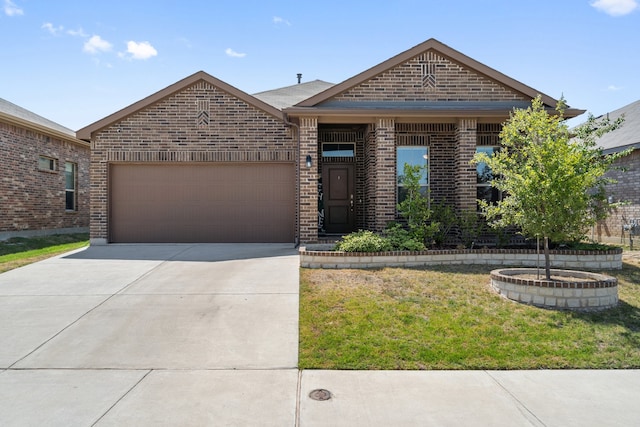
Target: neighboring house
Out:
[201,161]
[627,189]
[44,175]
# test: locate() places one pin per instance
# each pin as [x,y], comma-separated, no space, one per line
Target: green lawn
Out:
[449,318]
[19,251]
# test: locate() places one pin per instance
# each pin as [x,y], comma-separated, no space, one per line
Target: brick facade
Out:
[429,95]
[32,200]
[626,190]
[199,124]
[451,82]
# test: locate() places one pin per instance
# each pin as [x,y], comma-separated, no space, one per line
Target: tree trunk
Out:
[547,261]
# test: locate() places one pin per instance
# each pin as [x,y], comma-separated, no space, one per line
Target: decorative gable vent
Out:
[428,65]
[203,113]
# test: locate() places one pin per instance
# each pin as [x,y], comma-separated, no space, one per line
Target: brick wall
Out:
[198,124]
[450,82]
[628,190]
[32,199]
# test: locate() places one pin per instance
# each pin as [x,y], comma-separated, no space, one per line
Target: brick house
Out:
[44,175]
[627,189]
[201,161]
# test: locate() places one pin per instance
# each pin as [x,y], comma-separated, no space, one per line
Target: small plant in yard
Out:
[445,216]
[415,207]
[401,240]
[363,241]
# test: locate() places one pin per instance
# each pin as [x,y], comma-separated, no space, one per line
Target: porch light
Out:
[308,160]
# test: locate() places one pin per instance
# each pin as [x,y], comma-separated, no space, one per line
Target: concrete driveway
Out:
[91,336]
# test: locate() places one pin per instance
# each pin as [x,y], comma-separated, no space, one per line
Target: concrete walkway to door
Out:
[207,335]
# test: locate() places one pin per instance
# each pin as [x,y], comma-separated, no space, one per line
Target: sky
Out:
[77,61]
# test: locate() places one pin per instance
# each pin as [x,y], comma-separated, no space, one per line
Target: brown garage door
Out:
[202,203]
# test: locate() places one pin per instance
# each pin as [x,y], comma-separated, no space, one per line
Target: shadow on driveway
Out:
[205,252]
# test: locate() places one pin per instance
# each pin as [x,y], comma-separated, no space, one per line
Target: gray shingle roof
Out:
[11,109]
[628,135]
[290,95]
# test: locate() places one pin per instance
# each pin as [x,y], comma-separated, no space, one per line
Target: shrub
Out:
[446,217]
[401,240]
[363,241]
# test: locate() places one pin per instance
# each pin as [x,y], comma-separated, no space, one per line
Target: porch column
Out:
[385,173]
[465,171]
[308,209]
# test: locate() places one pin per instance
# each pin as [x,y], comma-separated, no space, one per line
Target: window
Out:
[47,164]
[338,150]
[413,155]
[70,170]
[484,176]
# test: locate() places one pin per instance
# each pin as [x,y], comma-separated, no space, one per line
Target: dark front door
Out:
[339,197]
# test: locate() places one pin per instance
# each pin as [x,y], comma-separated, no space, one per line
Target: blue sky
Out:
[77,61]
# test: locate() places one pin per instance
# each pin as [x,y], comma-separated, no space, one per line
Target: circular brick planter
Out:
[595,292]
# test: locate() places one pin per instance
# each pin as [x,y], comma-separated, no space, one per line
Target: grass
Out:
[449,318]
[19,251]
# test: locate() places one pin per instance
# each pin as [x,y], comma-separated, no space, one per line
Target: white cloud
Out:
[232,53]
[278,20]
[10,9]
[615,7]
[142,50]
[77,33]
[52,29]
[614,88]
[96,45]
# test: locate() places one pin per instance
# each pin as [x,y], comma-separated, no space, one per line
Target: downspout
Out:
[287,123]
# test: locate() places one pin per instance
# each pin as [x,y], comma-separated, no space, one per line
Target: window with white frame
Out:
[417,155]
[48,164]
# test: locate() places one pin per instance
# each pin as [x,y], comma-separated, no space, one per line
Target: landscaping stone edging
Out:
[589,260]
[601,292]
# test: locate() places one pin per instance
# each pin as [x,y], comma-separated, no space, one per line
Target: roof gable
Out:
[428,72]
[86,132]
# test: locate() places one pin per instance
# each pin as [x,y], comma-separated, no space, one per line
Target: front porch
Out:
[352,183]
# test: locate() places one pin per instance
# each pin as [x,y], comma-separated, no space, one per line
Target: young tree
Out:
[415,207]
[553,181]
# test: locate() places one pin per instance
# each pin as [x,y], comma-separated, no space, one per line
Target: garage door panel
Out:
[202,203]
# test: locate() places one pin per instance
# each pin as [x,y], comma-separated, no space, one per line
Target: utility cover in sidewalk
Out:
[320,394]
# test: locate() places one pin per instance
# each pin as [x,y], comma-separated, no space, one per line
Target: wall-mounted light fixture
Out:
[308,162]
[610,199]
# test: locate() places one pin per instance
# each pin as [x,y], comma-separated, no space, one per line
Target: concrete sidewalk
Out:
[202,335]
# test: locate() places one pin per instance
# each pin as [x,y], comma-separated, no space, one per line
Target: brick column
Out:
[308,209]
[98,220]
[385,173]
[465,172]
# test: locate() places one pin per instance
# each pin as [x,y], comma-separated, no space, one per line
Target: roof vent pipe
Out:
[299,77]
